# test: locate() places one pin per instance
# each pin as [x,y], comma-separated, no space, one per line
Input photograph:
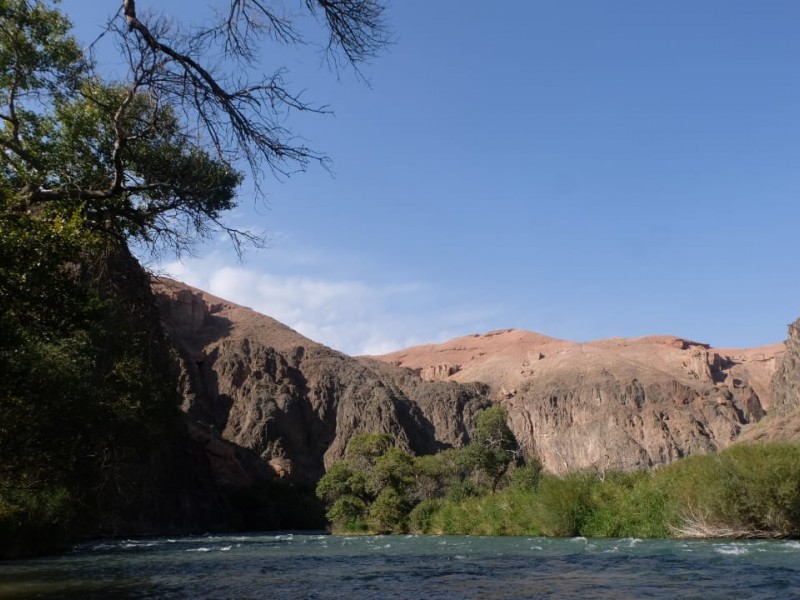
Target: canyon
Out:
[265,402]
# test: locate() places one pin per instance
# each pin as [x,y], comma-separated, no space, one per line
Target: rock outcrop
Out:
[783,422]
[619,403]
[252,383]
[786,382]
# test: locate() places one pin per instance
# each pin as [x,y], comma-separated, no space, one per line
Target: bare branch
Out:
[356,27]
[241,121]
[246,21]
[119,141]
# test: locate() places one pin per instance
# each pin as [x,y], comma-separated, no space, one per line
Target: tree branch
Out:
[245,111]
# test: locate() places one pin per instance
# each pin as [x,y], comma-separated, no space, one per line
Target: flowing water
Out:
[292,566]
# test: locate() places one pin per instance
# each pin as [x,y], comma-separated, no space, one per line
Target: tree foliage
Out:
[370,489]
[90,166]
[493,447]
[380,487]
[156,156]
[87,388]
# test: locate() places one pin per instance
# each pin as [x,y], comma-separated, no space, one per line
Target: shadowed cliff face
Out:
[254,384]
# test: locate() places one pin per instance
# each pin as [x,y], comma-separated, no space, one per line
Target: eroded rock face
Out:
[783,422]
[619,403]
[602,421]
[286,406]
[786,383]
[439,372]
[255,384]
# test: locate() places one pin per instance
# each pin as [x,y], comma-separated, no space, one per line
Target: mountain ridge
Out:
[613,403]
[517,353]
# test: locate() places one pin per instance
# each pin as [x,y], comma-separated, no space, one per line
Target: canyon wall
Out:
[252,383]
[267,402]
[782,424]
[617,403]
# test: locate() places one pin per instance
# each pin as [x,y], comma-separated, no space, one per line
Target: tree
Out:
[87,393]
[344,491]
[370,488]
[493,447]
[364,449]
[155,157]
[89,166]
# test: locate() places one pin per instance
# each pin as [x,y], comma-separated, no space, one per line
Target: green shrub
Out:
[347,509]
[389,511]
[34,521]
[421,518]
[564,503]
[746,490]
[356,526]
[527,477]
[463,490]
[626,505]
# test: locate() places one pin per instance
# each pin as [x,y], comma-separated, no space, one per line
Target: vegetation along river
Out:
[427,567]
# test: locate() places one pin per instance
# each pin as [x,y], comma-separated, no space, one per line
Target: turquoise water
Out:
[426,567]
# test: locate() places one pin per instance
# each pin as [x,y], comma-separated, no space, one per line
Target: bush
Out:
[564,503]
[420,520]
[347,509]
[627,505]
[463,490]
[527,477]
[389,511]
[379,484]
[746,490]
[34,521]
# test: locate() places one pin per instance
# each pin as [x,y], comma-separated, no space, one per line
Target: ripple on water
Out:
[732,550]
[387,568]
[793,545]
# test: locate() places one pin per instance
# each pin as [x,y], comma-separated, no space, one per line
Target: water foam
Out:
[732,549]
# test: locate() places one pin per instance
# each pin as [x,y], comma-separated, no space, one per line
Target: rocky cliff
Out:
[267,402]
[619,403]
[783,422]
[255,388]
[786,382]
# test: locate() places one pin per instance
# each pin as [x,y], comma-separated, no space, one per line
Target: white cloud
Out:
[356,317]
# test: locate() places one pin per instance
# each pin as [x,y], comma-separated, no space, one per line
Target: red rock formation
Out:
[611,403]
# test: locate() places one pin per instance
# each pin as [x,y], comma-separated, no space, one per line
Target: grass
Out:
[745,491]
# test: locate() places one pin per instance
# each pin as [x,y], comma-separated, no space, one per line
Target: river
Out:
[295,566]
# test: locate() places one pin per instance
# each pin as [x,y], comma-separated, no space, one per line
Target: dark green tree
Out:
[87,390]
[493,448]
[343,489]
[90,167]
[370,489]
[378,485]
[364,449]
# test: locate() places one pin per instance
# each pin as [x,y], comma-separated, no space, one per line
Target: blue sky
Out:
[584,169]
